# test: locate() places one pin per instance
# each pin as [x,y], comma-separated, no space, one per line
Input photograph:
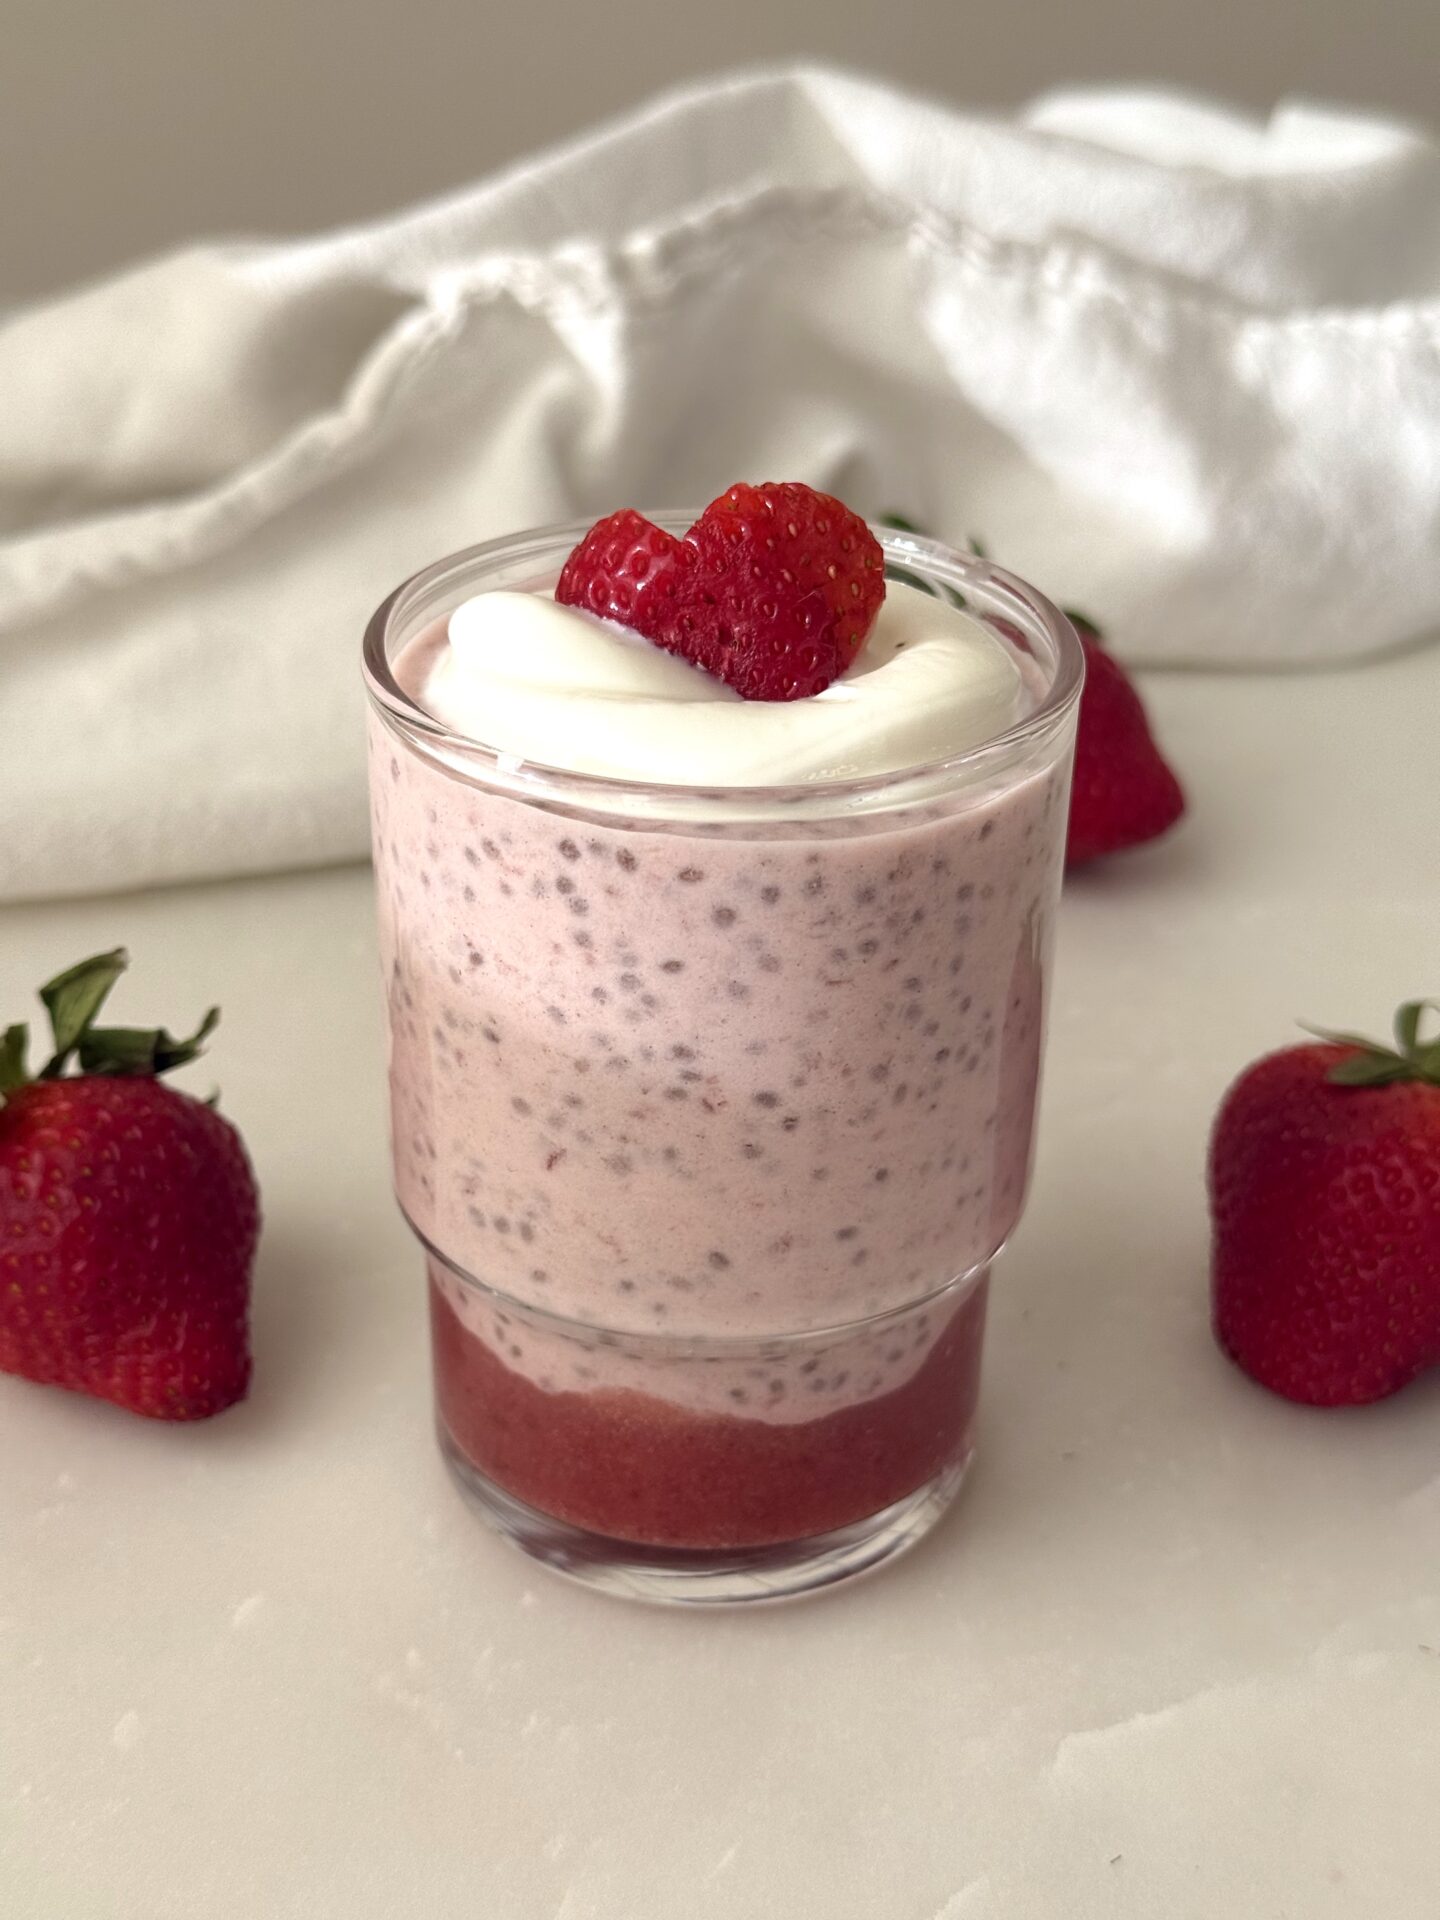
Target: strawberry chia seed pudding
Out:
[715,1032]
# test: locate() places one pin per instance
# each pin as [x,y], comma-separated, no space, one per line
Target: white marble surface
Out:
[1176,1654]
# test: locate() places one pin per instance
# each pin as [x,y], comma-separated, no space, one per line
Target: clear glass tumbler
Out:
[711,1110]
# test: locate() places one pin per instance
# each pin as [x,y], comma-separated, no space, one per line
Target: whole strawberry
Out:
[1124,791]
[1325,1199]
[773,589]
[128,1215]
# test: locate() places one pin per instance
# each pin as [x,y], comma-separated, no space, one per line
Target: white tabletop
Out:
[1176,1653]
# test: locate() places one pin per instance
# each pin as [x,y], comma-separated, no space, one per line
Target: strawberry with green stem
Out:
[1325,1201]
[128,1214]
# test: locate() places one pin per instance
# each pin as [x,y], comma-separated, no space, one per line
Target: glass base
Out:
[706,1576]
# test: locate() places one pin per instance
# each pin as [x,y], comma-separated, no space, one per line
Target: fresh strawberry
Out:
[778,543]
[1124,791]
[773,589]
[629,570]
[1325,1199]
[128,1215]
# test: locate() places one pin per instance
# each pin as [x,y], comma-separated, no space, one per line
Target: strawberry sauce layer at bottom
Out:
[634,1467]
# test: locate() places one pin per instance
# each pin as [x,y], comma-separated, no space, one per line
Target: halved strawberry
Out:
[773,590]
[628,570]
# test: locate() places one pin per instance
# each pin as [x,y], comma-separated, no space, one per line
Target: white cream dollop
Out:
[557,686]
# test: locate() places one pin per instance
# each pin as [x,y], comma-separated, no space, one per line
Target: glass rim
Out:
[687,1345]
[969,570]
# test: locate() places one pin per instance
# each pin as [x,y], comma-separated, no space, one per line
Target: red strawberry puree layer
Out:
[735,1085]
[636,1467]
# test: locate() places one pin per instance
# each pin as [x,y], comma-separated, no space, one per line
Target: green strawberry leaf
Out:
[1407,1025]
[1369,1070]
[12,1059]
[1374,1065]
[903,574]
[1079,619]
[1333,1039]
[72,1000]
[906,578]
[120,1050]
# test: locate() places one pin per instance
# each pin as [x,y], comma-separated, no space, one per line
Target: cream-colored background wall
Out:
[127,125]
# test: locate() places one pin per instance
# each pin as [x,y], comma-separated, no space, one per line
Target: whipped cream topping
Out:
[558,686]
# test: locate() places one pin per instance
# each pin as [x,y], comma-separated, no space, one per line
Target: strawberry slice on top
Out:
[773,590]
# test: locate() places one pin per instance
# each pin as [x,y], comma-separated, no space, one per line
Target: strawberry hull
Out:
[633,1466]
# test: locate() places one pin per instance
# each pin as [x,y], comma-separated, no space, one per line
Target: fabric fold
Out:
[1180,368]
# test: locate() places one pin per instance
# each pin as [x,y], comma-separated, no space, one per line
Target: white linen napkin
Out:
[1179,368]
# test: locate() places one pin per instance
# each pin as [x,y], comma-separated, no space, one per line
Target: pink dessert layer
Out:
[732,1084]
